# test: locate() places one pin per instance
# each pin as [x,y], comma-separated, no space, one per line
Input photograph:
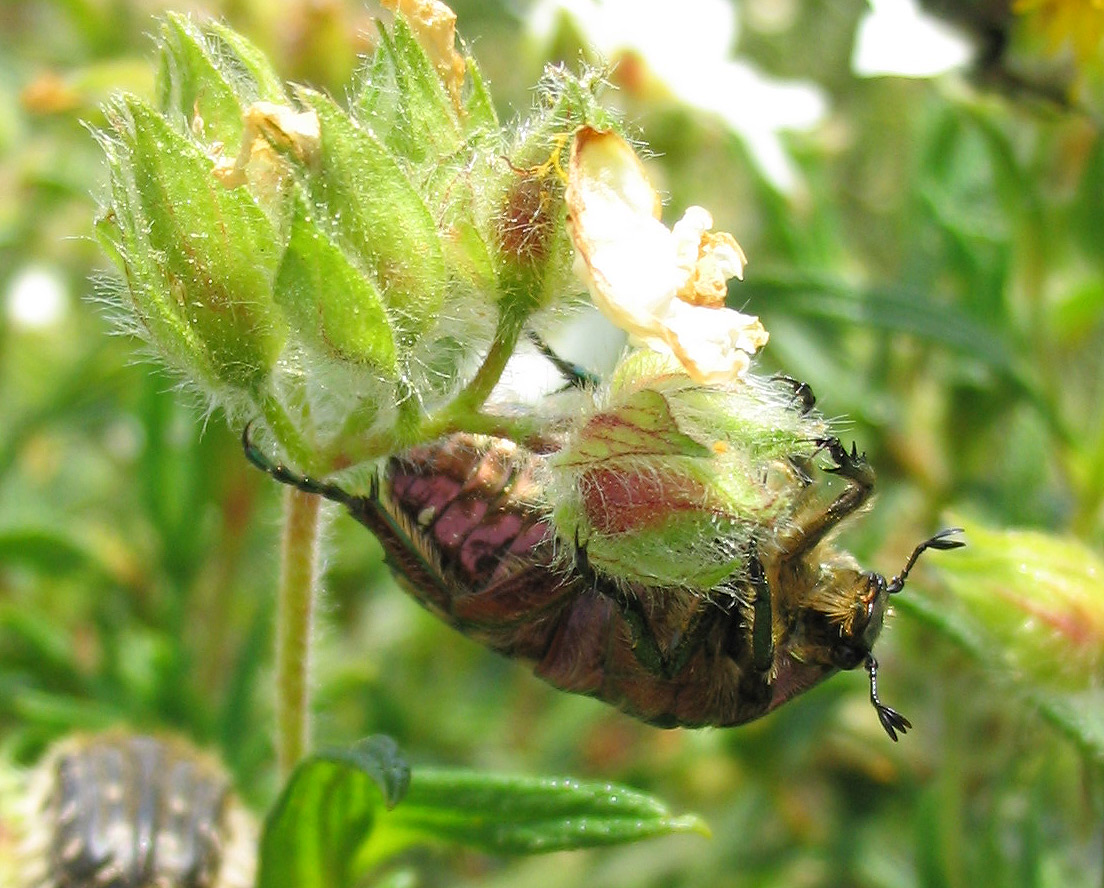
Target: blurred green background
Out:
[929,256]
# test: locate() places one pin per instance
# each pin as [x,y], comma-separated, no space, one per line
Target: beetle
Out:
[467,532]
[130,810]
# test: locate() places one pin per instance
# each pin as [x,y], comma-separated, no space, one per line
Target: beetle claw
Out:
[849,464]
[891,719]
[802,392]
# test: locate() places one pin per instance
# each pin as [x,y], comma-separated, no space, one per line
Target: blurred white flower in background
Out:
[37,298]
[687,47]
[897,38]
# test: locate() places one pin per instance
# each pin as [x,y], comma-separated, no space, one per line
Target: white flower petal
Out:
[666,288]
[629,258]
[715,345]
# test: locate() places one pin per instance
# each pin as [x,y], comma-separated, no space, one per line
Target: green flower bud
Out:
[364,200]
[1039,599]
[198,259]
[668,481]
[210,75]
[527,216]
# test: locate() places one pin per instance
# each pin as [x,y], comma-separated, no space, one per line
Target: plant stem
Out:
[299,568]
[288,435]
[490,371]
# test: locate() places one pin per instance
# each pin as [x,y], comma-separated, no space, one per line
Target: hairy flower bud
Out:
[198,259]
[1039,599]
[667,480]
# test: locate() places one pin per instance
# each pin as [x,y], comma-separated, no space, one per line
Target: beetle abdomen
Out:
[459,522]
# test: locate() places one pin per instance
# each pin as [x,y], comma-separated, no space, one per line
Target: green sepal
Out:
[210,71]
[640,425]
[331,303]
[403,100]
[481,116]
[468,257]
[313,835]
[198,259]
[377,217]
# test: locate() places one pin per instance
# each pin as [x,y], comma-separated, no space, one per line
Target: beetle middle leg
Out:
[646,647]
[813,520]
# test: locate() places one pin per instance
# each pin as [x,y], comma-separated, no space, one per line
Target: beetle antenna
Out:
[939,541]
[576,376]
[284,475]
[891,719]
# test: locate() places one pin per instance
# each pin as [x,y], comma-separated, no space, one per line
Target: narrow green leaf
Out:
[898,310]
[331,303]
[327,810]
[527,815]
[51,552]
[377,217]
[30,639]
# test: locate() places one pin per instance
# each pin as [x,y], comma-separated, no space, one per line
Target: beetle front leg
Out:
[813,521]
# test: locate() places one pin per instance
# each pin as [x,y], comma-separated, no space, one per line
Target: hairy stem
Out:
[490,371]
[293,443]
[299,570]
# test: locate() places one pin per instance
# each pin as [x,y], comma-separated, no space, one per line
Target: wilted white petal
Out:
[665,287]
[714,345]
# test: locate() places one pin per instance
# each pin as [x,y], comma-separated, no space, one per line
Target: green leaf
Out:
[893,309]
[377,217]
[330,825]
[526,815]
[326,812]
[212,72]
[331,303]
[199,258]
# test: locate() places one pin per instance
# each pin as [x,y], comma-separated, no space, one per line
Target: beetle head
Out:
[868,596]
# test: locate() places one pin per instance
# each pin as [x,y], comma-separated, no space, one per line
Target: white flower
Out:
[665,287]
[897,37]
[686,48]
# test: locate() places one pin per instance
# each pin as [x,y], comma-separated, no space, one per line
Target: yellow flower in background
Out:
[666,287]
[1078,22]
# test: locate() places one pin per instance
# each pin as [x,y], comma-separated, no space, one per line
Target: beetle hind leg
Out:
[284,475]
[646,646]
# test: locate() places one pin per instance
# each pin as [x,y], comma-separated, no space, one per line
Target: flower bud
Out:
[1039,598]
[198,259]
[209,75]
[668,480]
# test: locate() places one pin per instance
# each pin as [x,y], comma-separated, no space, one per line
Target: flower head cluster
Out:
[359,276]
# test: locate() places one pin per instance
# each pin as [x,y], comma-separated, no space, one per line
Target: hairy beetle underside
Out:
[467,527]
